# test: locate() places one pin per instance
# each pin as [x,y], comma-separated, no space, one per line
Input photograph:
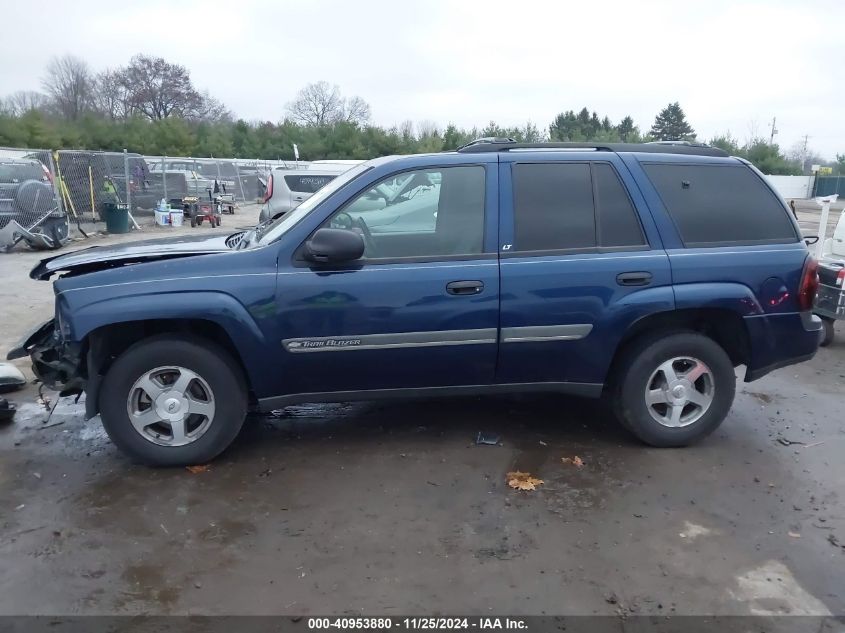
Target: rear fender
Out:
[728,296]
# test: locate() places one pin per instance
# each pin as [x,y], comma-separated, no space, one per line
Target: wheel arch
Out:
[102,345]
[725,326]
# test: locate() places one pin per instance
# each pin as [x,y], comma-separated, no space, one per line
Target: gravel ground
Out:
[391,508]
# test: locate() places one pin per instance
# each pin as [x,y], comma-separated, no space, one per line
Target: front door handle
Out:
[634,279]
[464,287]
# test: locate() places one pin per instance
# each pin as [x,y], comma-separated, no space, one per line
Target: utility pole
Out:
[774,131]
[804,154]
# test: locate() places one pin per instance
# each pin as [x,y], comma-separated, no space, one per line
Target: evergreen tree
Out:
[726,142]
[671,125]
[627,130]
[563,127]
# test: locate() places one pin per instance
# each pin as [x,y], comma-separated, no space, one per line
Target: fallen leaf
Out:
[794,534]
[202,468]
[576,461]
[523,481]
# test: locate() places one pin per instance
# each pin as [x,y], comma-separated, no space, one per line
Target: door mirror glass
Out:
[329,246]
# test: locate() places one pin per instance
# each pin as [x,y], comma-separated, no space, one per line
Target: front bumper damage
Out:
[59,365]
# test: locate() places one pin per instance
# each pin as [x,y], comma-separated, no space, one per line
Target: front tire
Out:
[675,389]
[173,401]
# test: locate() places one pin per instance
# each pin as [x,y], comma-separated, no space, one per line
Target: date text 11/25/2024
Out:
[419,623]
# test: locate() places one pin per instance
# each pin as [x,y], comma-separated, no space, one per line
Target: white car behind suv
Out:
[288,188]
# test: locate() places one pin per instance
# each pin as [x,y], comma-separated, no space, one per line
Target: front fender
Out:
[220,308]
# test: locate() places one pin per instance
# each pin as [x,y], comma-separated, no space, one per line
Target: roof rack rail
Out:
[491,144]
[487,140]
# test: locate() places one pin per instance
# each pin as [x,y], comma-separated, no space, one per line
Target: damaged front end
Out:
[58,364]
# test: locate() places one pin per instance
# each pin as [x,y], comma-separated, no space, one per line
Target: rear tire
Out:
[827,333]
[137,391]
[678,412]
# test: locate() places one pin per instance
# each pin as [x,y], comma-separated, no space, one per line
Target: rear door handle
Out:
[464,287]
[634,279]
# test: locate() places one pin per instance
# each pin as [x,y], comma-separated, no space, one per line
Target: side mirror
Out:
[809,240]
[329,246]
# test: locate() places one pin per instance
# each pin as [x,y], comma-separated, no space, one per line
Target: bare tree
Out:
[23,101]
[317,104]
[427,128]
[69,83]
[356,110]
[753,133]
[804,156]
[212,109]
[406,130]
[158,89]
[110,96]
[322,104]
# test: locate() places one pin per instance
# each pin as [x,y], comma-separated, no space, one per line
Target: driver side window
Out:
[419,213]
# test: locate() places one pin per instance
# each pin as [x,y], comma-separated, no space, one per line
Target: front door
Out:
[420,310]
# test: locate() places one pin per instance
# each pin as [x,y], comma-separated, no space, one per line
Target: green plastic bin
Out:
[117,217]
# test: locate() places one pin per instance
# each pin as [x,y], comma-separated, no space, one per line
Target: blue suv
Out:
[641,273]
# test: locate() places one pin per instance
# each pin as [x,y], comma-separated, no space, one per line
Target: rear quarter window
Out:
[714,205]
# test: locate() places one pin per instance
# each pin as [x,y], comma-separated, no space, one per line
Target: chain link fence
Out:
[31,208]
[177,176]
[43,191]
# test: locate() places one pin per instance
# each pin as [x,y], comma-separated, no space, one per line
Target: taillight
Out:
[48,177]
[809,284]
[840,278]
[269,193]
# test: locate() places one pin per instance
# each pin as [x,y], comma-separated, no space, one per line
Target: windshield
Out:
[273,231]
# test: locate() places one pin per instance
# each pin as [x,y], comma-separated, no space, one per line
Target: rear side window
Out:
[307,184]
[553,206]
[713,205]
[560,206]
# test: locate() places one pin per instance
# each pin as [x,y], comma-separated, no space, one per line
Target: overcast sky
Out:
[731,65]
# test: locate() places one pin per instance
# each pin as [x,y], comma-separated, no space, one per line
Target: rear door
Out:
[580,261]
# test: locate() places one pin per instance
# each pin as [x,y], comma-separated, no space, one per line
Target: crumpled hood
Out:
[99,257]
